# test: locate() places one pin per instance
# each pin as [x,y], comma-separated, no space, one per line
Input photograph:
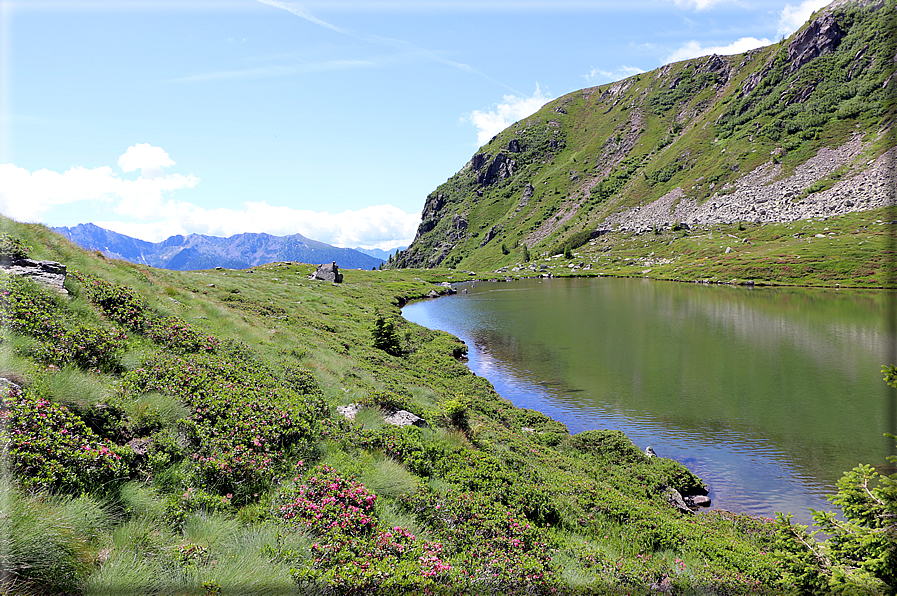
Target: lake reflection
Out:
[767,394]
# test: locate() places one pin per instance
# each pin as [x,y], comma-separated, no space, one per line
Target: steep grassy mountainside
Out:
[795,131]
[176,432]
[197,251]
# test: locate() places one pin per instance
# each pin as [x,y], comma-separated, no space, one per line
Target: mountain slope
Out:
[796,130]
[196,251]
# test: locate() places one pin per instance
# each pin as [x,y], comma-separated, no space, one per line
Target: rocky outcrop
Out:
[820,37]
[48,273]
[392,416]
[327,273]
[490,172]
[528,193]
[490,234]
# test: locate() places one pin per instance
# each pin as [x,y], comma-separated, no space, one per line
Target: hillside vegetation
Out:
[794,133]
[175,432]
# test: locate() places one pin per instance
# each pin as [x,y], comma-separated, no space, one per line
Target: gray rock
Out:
[404,418]
[675,499]
[48,273]
[139,446]
[348,411]
[327,273]
[697,500]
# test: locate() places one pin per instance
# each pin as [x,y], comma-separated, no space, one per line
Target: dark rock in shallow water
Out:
[697,501]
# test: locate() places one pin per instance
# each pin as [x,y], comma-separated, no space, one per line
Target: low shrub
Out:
[51,448]
[12,248]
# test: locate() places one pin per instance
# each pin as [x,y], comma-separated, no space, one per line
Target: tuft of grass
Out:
[389,478]
[153,410]
[49,544]
[370,418]
[77,389]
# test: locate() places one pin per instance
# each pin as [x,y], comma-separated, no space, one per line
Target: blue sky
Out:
[331,119]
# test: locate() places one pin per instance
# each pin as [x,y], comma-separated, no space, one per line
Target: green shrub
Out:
[608,444]
[51,448]
[12,248]
[385,336]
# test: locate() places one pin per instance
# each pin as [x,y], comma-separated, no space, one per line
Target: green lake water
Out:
[768,394]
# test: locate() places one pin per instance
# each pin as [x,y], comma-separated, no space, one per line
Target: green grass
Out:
[172,524]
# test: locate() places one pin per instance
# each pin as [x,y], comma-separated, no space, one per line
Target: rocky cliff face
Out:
[796,130]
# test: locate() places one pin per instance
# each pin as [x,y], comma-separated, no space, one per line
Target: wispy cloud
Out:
[377,226]
[792,17]
[597,76]
[513,108]
[146,208]
[397,44]
[282,70]
[693,49]
[699,4]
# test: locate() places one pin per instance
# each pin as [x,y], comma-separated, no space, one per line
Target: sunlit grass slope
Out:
[176,433]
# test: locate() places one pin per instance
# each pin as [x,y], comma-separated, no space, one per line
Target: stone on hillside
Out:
[675,499]
[348,411]
[327,273]
[403,418]
[48,273]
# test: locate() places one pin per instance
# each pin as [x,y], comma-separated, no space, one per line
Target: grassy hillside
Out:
[175,432]
[695,133]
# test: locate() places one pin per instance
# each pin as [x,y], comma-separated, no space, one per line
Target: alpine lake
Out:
[767,394]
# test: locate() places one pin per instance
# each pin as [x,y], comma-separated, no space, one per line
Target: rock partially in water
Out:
[697,500]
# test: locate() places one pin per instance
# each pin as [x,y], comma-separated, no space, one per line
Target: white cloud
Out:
[693,49]
[379,226]
[598,76]
[698,4]
[793,17]
[26,196]
[144,208]
[146,158]
[514,108]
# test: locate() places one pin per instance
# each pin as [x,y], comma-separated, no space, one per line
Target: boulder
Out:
[697,500]
[327,273]
[403,418]
[675,499]
[48,273]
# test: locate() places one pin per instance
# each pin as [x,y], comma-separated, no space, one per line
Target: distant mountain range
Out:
[197,251]
[380,254]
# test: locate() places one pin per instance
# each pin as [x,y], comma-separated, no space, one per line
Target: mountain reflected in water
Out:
[768,394]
